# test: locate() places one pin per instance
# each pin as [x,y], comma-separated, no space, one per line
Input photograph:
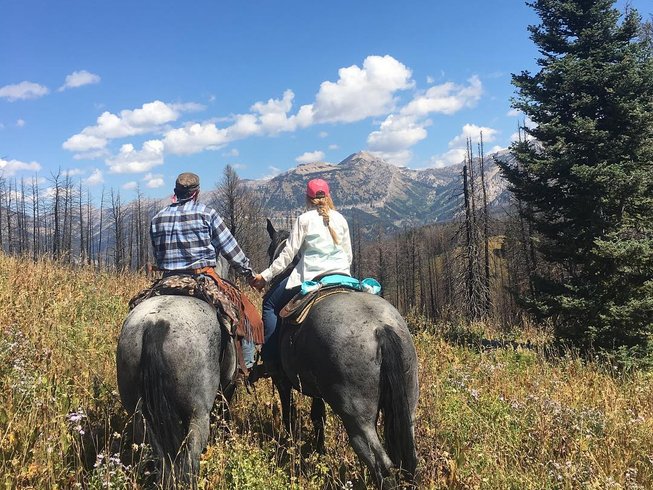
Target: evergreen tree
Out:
[585,175]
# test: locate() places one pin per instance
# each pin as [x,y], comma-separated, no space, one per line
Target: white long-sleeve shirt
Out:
[318,254]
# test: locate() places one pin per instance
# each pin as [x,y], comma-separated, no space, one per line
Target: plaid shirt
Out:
[189,235]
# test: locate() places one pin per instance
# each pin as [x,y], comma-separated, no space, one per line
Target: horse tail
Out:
[398,424]
[167,426]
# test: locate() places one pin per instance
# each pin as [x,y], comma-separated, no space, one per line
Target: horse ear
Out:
[271,230]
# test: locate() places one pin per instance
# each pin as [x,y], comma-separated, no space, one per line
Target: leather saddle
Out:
[298,308]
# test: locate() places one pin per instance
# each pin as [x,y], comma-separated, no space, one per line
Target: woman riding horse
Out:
[320,237]
[353,350]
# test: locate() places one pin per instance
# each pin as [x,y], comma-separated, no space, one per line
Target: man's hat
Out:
[317,188]
[186,184]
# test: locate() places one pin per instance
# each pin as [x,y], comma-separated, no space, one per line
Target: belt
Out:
[210,270]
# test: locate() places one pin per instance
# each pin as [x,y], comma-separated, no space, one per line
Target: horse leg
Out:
[318,416]
[188,461]
[287,406]
[367,445]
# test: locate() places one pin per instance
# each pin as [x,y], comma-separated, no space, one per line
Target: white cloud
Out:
[310,157]
[395,134]
[400,131]
[130,160]
[274,171]
[95,178]
[22,91]
[84,142]
[91,155]
[154,181]
[514,113]
[273,116]
[147,119]
[232,153]
[334,147]
[458,146]
[187,107]
[194,138]
[79,79]
[451,157]
[447,98]
[357,94]
[361,92]
[130,186]
[72,172]
[323,134]
[399,158]
[10,167]
[473,132]
[20,123]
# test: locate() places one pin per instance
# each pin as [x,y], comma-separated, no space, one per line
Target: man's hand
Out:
[257,282]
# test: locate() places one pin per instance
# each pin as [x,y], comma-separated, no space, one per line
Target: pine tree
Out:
[585,175]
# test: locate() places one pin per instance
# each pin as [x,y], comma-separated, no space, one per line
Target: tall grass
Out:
[500,417]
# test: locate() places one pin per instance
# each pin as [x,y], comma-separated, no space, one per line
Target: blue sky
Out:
[125,94]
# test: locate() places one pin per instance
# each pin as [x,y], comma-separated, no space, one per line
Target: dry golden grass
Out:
[494,418]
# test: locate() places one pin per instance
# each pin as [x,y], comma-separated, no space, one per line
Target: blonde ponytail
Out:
[323,205]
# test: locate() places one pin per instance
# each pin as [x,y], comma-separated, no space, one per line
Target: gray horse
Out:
[173,359]
[355,352]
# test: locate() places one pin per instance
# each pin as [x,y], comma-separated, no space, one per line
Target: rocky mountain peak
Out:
[371,191]
[362,158]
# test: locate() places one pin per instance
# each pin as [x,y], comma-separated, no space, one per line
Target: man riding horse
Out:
[187,237]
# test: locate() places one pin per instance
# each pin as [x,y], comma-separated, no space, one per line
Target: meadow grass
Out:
[498,417]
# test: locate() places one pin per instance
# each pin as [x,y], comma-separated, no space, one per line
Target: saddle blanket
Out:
[369,285]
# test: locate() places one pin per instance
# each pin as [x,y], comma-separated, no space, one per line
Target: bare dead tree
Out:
[36,219]
[101,228]
[82,229]
[89,227]
[486,226]
[8,204]
[117,215]
[243,214]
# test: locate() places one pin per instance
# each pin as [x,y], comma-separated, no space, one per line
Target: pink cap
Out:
[317,188]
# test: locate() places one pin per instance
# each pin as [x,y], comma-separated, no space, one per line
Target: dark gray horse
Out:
[355,352]
[173,360]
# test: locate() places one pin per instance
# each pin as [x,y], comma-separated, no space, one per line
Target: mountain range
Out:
[370,191]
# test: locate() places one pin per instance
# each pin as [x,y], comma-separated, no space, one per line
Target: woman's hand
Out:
[257,282]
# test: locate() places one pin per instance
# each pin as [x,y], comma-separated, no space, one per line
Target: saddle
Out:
[298,308]
[242,316]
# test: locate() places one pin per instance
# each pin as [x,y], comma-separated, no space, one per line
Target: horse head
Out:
[277,240]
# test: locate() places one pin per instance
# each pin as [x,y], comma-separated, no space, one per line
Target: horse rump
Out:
[395,404]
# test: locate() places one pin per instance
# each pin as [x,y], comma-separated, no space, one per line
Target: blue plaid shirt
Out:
[189,235]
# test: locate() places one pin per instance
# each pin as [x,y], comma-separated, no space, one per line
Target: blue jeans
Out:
[273,302]
[249,351]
